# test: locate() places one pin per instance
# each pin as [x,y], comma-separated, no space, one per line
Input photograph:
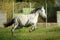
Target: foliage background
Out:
[7,5]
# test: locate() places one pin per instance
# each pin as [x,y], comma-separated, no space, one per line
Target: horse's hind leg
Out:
[12,30]
[14,27]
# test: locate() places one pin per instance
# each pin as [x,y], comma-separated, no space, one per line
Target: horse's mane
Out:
[33,11]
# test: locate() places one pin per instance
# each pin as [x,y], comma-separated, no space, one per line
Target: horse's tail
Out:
[9,23]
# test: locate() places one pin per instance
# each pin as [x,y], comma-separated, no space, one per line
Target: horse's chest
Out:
[33,19]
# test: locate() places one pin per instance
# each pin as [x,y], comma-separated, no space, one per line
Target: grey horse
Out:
[27,20]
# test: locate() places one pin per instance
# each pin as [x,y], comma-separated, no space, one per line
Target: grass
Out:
[42,33]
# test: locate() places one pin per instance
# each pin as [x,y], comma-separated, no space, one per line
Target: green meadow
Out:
[41,33]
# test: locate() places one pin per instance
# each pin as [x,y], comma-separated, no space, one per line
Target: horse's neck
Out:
[37,14]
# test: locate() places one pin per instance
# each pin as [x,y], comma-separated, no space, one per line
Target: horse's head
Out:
[42,13]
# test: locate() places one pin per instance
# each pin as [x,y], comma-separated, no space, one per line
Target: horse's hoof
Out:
[30,30]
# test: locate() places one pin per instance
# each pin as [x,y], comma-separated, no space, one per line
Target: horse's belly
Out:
[23,20]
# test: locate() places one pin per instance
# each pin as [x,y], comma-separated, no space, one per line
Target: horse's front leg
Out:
[33,28]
